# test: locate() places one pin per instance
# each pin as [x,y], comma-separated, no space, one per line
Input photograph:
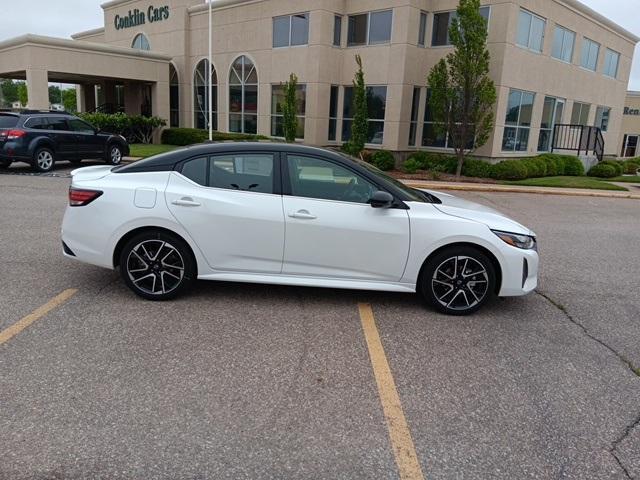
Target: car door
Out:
[331,230]
[232,207]
[89,144]
[65,141]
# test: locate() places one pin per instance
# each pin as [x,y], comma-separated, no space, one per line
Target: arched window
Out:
[201,96]
[174,97]
[141,42]
[243,96]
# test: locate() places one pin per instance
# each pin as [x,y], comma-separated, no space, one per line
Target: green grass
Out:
[567,182]
[144,151]
[630,179]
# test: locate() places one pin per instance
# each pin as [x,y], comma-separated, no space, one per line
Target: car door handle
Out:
[186,202]
[303,215]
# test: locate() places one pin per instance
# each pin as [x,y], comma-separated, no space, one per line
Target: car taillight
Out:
[80,197]
[15,134]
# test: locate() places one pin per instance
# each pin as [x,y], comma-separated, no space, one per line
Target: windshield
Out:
[8,121]
[413,194]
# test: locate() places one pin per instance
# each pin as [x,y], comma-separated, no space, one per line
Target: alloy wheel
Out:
[44,160]
[155,267]
[460,283]
[116,156]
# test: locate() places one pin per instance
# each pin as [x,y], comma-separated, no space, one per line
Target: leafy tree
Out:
[360,124]
[290,109]
[54,94]
[462,94]
[9,90]
[23,94]
[69,100]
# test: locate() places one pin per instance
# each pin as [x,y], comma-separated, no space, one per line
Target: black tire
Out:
[5,163]
[448,285]
[157,265]
[114,154]
[43,160]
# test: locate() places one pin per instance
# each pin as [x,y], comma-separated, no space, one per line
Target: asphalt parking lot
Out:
[252,381]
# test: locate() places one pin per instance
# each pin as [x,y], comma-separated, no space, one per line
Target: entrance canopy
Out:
[40,60]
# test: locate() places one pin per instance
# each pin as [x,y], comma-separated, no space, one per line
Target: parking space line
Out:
[401,442]
[10,332]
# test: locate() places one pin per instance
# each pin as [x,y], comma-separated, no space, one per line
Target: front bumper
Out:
[519,271]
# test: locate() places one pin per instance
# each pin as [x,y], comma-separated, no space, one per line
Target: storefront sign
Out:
[137,17]
[632,111]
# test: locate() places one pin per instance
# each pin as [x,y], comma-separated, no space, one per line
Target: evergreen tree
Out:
[290,109]
[462,94]
[360,124]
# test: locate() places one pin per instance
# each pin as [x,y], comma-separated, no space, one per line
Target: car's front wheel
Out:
[458,280]
[43,160]
[157,265]
[114,154]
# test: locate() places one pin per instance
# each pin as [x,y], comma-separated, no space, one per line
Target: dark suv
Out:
[43,138]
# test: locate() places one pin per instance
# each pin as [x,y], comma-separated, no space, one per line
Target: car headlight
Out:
[525,242]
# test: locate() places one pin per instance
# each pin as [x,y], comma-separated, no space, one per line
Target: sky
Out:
[61,18]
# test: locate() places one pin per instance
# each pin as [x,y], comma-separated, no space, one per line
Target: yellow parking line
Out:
[37,314]
[399,434]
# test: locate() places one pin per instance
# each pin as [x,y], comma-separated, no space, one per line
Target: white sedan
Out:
[291,215]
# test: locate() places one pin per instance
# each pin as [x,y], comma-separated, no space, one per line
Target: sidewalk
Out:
[488,187]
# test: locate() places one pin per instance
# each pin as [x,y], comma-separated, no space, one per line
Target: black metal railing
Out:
[578,138]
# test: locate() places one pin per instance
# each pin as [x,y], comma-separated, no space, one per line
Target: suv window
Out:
[39,123]
[77,125]
[57,123]
[8,121]
[246,172]
[318,178]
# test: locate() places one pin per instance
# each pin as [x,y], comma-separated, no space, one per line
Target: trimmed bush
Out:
[384,160]
[136,128]
[631,166]
[190,136]
[536,167]
[411,165]
[572,166]
[616,165]
[554,164]
[603,170]
[509,170]
[476,168]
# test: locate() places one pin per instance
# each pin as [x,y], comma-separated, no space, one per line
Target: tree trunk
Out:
[460,154]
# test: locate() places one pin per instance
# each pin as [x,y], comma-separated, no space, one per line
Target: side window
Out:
[38,123]
[56,123]
[196,170]
[317,178]
[247,172]
[76,125]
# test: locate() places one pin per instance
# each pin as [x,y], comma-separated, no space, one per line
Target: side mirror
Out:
[381,199]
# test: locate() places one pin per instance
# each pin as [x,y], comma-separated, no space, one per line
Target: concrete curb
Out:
[483,187]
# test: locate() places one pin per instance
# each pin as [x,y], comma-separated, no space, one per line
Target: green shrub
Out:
[509,170]
[572,166]
[411,165]
[384,160]
[476,168]
[554,165]
[619,168]
[631,166]
[136,128]
[603,170]
[190,136]
[420,158]
[536,167]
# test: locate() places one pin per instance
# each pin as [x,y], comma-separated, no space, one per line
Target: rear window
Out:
[8,121]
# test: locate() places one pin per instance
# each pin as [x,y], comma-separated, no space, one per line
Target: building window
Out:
[370,28]
[531,31]
[563,42]
[442,23]
[611,61]
[630,145]
[174,97]
[337,30]
[422,30]
[590,52]
[518,121]
[243,96]
[431,136]
[602,118]
[201,95]
[376,102]
[277,119]
[551,116]
[140,42]
[580,113]
[333,113]
[413,125]
[291,30]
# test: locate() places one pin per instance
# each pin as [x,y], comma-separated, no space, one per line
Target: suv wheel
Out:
[43,160]
[458,280]
[114,154]
[157,265]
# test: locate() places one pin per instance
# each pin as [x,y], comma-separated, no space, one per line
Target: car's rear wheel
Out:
[114,154]
[43,160]
[458,280]
[157,265]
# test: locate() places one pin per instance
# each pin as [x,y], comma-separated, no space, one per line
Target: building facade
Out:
[553,62]
[630,147]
